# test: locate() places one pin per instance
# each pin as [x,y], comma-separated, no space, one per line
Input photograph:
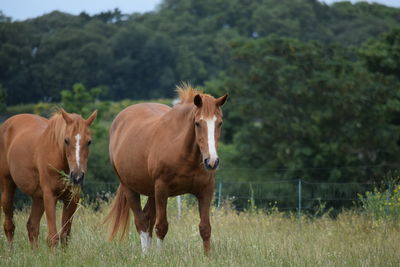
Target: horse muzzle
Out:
[77,177]
[211,165]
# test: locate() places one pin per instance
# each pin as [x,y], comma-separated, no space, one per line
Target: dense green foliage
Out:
[382,204]
[310,107]
[143,56]
[314,88]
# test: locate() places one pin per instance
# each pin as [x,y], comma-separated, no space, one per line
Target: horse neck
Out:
[53,142]
[182,120]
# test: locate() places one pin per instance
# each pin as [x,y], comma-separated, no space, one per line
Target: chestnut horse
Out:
[32,149]
[161,152]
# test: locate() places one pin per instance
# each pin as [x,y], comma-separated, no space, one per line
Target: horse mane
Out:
[186,92]
[57,127]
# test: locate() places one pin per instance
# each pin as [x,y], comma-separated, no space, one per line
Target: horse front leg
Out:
[50,209]
[204,199]
[67,216]
[161,201]
[34,220]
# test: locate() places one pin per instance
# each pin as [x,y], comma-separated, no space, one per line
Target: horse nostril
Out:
[79,178]
[216,163]
[206,162]
[72,175]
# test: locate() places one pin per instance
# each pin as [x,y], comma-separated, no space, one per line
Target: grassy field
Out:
[239,239]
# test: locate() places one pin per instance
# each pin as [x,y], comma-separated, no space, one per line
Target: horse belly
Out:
[137,180]
[26,180]
[22,169]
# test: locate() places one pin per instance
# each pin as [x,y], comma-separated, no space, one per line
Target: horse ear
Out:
[66,116]
[91,118]
[197,101]
[220,101]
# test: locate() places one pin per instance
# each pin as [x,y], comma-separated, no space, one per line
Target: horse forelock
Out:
[58,127]
[209,108]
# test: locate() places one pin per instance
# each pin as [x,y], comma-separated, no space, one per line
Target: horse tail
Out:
[119,215]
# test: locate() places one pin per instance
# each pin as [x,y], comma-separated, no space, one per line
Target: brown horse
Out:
[32,149]
[161,152]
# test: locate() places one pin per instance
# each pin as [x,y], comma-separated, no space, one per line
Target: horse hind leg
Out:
[34,220]
[150,214]
[7,197]
[141,223]
[150,217]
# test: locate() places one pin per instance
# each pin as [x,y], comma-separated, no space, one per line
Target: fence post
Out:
[388,199]
[179,202]
[219,194]
[299,199]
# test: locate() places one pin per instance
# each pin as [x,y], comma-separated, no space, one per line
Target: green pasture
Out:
[239,239]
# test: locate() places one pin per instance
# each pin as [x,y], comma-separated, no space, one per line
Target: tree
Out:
[382,55]
[309,111]
[80,100]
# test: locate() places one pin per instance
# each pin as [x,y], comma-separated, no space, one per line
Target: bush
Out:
[381,204]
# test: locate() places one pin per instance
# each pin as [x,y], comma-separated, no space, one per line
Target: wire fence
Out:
[294,195]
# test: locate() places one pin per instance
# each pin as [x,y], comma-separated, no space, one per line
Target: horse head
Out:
[77,140]
[208,122]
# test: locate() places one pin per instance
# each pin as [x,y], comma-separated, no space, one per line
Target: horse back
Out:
[139,117]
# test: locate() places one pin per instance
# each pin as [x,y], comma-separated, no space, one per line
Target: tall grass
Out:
[239,239]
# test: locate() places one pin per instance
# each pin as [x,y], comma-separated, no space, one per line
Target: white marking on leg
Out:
[159,244]
[211,140]
[77,148]
[145,240]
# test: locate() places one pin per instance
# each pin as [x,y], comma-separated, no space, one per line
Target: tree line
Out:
[143,56]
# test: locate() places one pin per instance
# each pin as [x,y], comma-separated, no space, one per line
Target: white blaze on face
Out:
[77,148]
[211,139]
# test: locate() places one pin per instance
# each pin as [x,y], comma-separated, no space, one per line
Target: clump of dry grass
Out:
[73,189]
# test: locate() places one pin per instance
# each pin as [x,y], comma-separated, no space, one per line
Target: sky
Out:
[25,9]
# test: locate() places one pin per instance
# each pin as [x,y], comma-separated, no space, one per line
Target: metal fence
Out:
[294,195]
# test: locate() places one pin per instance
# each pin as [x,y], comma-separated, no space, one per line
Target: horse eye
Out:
[197,124]
[66,141]
[89,142]
[220,124]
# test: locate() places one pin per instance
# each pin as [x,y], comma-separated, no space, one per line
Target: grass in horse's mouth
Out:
[74,189]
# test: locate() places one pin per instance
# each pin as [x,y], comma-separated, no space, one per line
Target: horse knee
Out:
[161,229]
[205,231]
